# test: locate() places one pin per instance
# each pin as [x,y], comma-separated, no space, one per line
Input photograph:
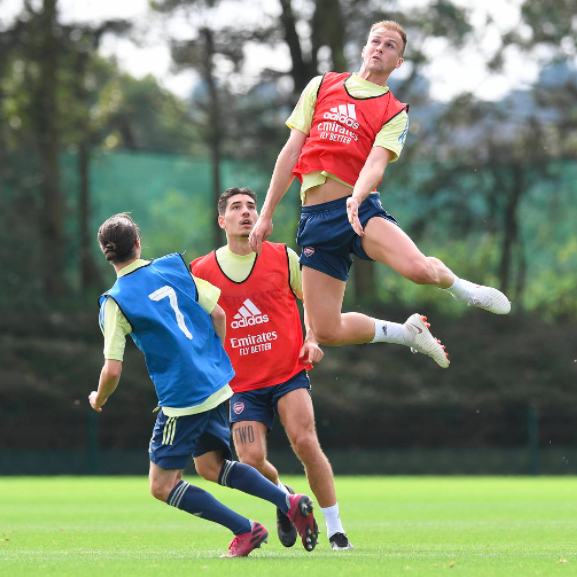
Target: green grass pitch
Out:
[112,527]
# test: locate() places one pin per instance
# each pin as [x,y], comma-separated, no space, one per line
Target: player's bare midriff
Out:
[329,190]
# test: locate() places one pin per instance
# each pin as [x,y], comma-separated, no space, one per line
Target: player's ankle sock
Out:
[461,289]
[200,503]
[282,487]
[248,480]
[388,332]
[333,520]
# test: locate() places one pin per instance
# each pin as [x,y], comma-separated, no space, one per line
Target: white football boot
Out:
[419,338]
[486,298]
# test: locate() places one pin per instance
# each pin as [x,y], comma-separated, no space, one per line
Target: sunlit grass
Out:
[399,526]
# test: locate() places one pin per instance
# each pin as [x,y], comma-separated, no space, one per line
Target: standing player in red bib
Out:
[264,341]
[345,130]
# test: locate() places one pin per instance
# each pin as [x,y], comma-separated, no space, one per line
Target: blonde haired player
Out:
[345,131]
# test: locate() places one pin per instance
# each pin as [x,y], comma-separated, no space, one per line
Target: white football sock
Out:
[388,332]
[461,289]
[333,520]
[282,487]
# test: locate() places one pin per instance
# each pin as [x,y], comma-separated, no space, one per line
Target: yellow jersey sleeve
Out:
[302,116]
[114,329]
[392,135]
[296,279]
[208,294]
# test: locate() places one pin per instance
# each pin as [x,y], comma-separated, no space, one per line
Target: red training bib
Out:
[344,129]
[263,327]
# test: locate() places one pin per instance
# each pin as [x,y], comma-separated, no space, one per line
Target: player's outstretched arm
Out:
[369,177]
[282,178]
[109,378]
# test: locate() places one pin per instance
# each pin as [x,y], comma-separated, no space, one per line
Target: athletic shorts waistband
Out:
[337,204]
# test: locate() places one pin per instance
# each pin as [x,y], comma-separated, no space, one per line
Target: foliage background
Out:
[487,186]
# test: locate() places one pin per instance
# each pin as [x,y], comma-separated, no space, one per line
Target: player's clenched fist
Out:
[311,353]
[94,402]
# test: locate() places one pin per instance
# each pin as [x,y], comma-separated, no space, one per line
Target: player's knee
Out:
[326,330]
[424,272]
[305,445]
[160,491]
[253,460]
[208,472]
[328,340]
[327,335]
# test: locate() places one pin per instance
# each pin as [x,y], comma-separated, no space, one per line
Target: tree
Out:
[86,132]
[46,65]
[493,154]
[200,52]
[44,113]
[56,93]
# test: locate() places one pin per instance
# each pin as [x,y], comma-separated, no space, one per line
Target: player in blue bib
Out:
[174,319]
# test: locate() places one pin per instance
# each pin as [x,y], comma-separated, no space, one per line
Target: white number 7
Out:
[167,291]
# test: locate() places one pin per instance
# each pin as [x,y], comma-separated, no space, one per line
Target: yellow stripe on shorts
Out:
[169,431]
[173,431]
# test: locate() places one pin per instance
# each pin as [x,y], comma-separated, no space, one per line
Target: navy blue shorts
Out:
[262,405]
[176,439]
[327,239]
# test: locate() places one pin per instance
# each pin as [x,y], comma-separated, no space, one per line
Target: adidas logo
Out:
[248,315]
[343,113]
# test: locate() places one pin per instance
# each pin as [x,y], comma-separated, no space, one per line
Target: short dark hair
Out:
[117,236]
[229,193]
